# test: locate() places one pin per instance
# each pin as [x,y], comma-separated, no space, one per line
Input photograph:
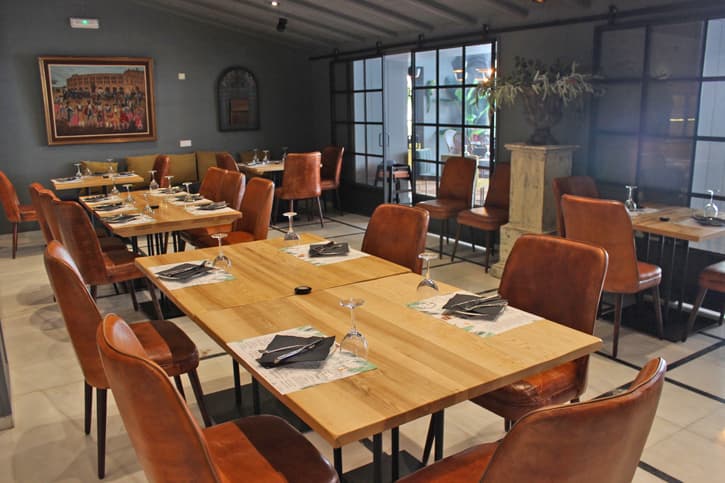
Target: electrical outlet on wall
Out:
[185,143]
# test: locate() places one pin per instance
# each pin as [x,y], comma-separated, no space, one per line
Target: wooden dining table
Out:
[423,364]
[262,169]
[94,181]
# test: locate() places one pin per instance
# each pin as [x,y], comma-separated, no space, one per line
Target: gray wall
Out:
[294,105]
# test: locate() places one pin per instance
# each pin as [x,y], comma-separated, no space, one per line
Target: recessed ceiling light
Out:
[274,3]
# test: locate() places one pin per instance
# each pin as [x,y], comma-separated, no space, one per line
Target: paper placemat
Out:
[176,202]
[121,209]
[303,253]
[199,212]
[93,204]
[643,211]
[70,179]
[300,375]
[136,221]
[509,319]
[214,276]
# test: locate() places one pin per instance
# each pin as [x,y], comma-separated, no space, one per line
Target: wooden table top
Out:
[263,272]
[94,182]
[262,169]
[680,224]
[423,364]
[167,217]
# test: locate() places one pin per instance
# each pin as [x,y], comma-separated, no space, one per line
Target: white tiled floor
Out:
[687,441]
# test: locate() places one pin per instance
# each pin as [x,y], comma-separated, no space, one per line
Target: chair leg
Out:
[179,386]
[154,300]
[489,249]
[319,208]
[199,395]
[339,203]
[94,292]
[237,383]
[429,437]
[101,428]
[15,239]
[508,424]
[618,299]
[88,406]
[455,243]
[440,240]
[693,315]
[132,291]
[658,312]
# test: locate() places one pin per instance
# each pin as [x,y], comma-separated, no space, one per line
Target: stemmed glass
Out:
[169,177]
[354,342]
[290,235]
[129,198]
[255,158]
[629,202]
[265,156]
[220,261]
[187,186]
[427,284]
[78,170]
[147,210]
[710,210]
[153,185]
[284,153]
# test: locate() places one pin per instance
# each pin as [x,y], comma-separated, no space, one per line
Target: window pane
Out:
[427,105]
[675,50]
[476,109]
[622,53]
[450,66]
[449,106]
[478,63]
[478,141]
[340,74]
[359,106]
[342,108]
[715,48]
[359,75]
[374,73]
[451,142]
[374,106]
[671,108]
[712,109]
[342,137]
[425,68]
[425,178]
[426,139]
[665,164]
[360,169]
[615,158]
[709,173]
[373,163]
[619,109]
[375,139]
[360,146]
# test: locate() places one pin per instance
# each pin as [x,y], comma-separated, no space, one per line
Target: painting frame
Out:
[90,100]
[237,100]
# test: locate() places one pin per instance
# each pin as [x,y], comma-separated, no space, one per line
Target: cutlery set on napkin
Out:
[473,306]
[121,218]
[184,272]
[329,249]
[108,207]
[217,205]
[287,349]
[709,220]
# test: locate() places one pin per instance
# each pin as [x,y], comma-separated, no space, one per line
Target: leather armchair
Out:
[397,233]
[301,180]
[330,171]
[14,211]
[162,166]
[711,278]
[571,185]
[226,161]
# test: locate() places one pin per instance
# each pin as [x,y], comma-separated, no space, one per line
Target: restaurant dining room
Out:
[362,241]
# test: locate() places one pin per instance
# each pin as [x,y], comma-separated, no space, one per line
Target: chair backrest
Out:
[597,441]
[332,163]
[499,187]
[232,188]
[256,208]
[605,223]
[211,184]
[226,161]
[571,185]
[457,180]
[79,311]
[162,166]
[168,442]
[35,189]
[301,177]
[79,238]
[397,233]
[9,199]
[46,198]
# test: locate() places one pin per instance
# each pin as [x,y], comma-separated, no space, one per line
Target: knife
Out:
[293,353]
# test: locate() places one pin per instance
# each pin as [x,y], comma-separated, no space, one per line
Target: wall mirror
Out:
[238,100]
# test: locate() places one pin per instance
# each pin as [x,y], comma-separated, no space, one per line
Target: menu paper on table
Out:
[303,253]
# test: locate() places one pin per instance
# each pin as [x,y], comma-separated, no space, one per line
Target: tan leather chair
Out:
[14,211]
[711,278]
[162,166]
[330,171]
[226,161]
[598,441]
[301,180]
[35,189]
[256,211]
[571,185]
[397,233]
[455,193]
[165,343]
[493,214]
[211,184]
[606,223]
[170,445]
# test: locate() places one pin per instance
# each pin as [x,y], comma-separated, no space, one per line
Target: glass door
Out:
[397,125]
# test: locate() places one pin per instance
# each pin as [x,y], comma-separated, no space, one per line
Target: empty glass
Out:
[129,197]
[427,286]
[168,181]
[710,210]
[284,153]
[147,210]
[265,156]
[153,185]
[255,158]
[629,202]
[78,170]
[354,342]
[187,186]
[220,261]
[290,235]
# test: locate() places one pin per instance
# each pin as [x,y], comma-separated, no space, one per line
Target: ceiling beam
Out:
[339,15]
[442,11]
[509,7]
[388,14]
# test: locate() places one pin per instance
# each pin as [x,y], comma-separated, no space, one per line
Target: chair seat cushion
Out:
[27,213]
[328,184]
[555,386]
[265,448]
[120,266]
[649,275]
[168,346]
[484,218]
[463,467]
[443,208]
[713,277]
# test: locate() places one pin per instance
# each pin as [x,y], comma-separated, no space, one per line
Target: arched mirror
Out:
[238,100]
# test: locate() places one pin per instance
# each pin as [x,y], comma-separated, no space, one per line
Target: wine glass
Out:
[187,186]
[147,210]
[169,177]
[153,185]
[629,202]
[354,342]
[427,285]
[265,156]
[78,170]
[129,198]
[284,153]
[255,158]
[290,235]
[220,261]
[710,210]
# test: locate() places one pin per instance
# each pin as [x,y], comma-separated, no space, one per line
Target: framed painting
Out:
[238,100]
[98,99]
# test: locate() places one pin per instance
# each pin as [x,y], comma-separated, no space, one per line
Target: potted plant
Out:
[544,90]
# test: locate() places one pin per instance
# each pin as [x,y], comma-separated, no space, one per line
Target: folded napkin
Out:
[121,218]
[109,207]
[218,205]
[708,220]
[185,271]
[95,198]
[473,306]
[330,249]
[291,349]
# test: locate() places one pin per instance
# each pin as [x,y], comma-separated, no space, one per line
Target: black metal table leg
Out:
[395,450]
[438,454]
[255,396]
[684,277]
[378,458]
[134,244]
[337,457]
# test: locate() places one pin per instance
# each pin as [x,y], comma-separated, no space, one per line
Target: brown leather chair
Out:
[35,189]
[397,233]
[226,161]
[597,441]
[493,214]
[455,193]
[301,180]
[211,184]
[256,211]
[330,171]
[162,166]
[571,185]
[711,278]
[14,211]
[170,445]
[606,223]
[165,343]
